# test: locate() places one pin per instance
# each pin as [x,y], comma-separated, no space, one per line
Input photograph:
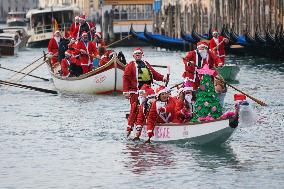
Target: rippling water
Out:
[78,141]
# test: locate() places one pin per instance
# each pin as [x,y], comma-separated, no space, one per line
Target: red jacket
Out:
[220,50]
[190,72]
[142,114]
[130,76]
[91,50]
[53,48]
[182,114]
[160,113]
[73,29]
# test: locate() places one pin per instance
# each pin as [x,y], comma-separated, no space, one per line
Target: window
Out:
[132,12]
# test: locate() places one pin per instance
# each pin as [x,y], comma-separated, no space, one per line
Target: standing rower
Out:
[136,74]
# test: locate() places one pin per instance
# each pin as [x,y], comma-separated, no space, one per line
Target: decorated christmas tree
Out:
[207,104]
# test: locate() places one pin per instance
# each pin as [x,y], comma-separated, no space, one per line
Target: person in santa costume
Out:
[98,40]
[146,98]
[84,27]
[184,104]
[217,45]
[104,55]
[161,111]
[199,58]
[88,51]
[69,65]
[136,74]
[74,27]
[53,46]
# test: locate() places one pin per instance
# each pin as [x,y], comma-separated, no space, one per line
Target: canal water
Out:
[78,141]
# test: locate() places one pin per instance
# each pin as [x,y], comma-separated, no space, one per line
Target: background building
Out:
[15,5]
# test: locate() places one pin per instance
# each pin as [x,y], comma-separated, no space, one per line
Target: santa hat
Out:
[84,33]
[99,34]
[187,86]
[83,17]
[239,97]
[215,31]
[137,50]
[202,44]
[57,31]
[162,89]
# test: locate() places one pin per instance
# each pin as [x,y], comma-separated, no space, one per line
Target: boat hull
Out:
[229,72]
[215,132]
[104,80]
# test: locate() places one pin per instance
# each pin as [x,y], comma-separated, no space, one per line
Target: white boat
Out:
[106,79]
[9,44]
[42,23]
[210,132]
[21,32]
[16,19]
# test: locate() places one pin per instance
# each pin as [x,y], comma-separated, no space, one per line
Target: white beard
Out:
[57,39]
[141,99]
[203,54]
[188,98]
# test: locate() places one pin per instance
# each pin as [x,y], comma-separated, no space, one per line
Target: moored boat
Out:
[21,32]
[44,22]
[9,44]
[17,18]
[106,79]
[202,133]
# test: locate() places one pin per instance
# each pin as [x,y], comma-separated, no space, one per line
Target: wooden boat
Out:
[9,44]
[106,79]
[166,42]
[188,38]
[140,36]
[202,133]
[17,18]
[229,71]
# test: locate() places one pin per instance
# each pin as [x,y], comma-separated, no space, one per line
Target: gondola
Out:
[225,32]
[258,38]
[166,42]
[188,37]
[249,38]
[198,37]
[140,36]
[270,39]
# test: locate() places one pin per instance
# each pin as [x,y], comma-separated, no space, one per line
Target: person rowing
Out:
[217,45]
[136,74]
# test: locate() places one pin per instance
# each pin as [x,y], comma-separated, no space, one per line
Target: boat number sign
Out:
[100,79]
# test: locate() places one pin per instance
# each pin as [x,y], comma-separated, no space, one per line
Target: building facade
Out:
[15,5]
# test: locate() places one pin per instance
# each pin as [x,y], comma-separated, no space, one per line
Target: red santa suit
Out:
[87,59]
[74,29]
[160,112]
[219,45]
[105,58]
[53,48]
[190,70]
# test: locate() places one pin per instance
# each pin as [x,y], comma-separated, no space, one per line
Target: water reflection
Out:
[145,157]
[213,157]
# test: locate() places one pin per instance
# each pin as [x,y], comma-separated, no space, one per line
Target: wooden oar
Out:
[118,40]
[23,73]
[249,96]
[28,65]
[28,87]
[158,66]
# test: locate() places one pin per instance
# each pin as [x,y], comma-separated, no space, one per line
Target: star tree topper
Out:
[207,71]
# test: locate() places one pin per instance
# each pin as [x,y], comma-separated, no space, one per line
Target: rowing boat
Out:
[229,71]
[208,132]
[106,79]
